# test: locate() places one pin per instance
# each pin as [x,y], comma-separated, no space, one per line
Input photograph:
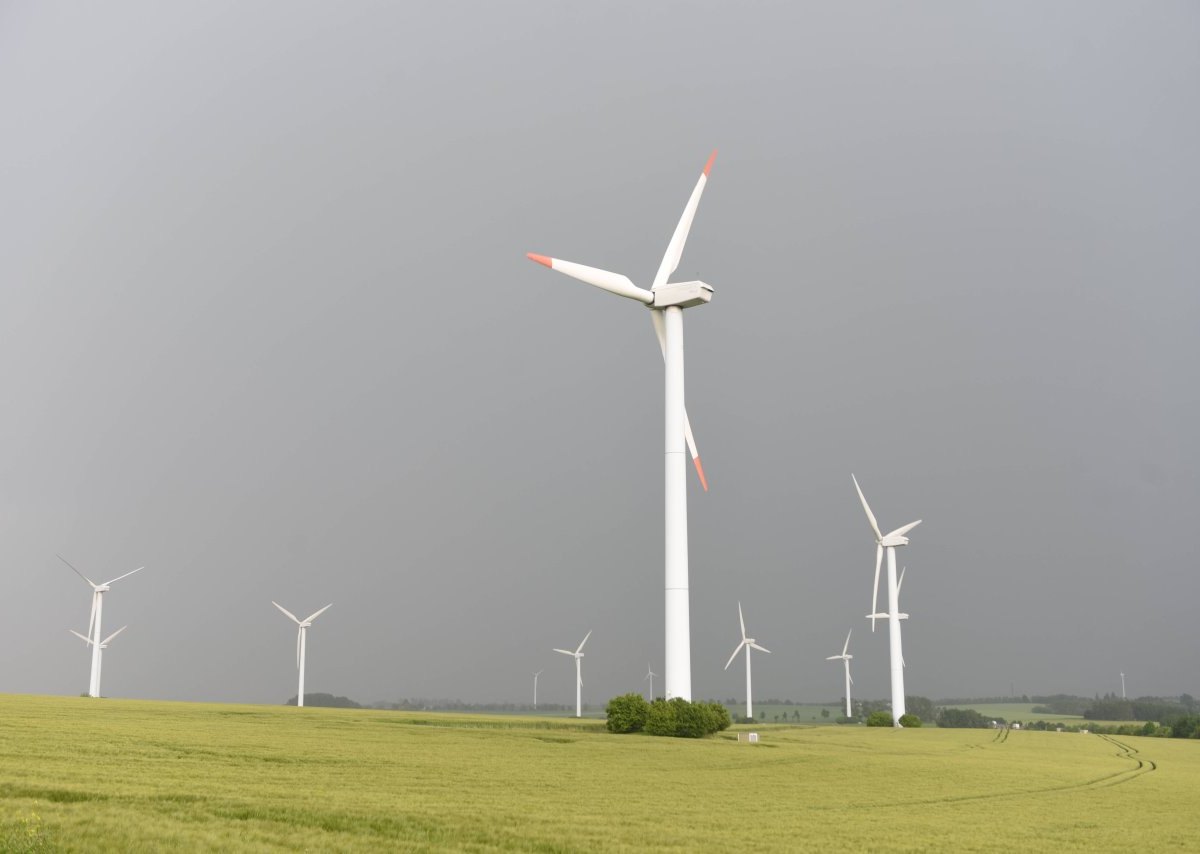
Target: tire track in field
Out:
[1125,751]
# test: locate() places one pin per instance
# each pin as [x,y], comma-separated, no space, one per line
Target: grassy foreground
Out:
[117,775]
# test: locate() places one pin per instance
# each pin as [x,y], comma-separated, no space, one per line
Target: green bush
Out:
[962,719]
[660,718]
[627,713]
[681,719]
[879,718]
[910,721]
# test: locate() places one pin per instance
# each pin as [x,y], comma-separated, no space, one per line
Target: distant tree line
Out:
[421,704]
[327,701]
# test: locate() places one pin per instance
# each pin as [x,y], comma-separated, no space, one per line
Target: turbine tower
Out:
[99,660]
[98,591]
[666,303]
[889,542]
[535,678]
[747,643]
[301,642]
[650,674]
[845,658]
[1122,686]
[578,654]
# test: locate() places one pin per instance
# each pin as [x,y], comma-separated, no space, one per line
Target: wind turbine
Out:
[301,639]
[98,591]
[889,542]
[578,653]
[535,678]
[845,658]
[667,302]
[747,643]
[650,674]
[99,660]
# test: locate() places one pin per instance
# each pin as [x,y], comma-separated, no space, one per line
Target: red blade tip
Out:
[708,165]
[700,471]
[541,259]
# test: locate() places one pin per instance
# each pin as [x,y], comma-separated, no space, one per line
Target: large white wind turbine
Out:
[93,635]
[578,654]
[301,641]
[845,658]
[100,658]
[650,674]
[889,542]
[535,678]
[747,643]
[666,303]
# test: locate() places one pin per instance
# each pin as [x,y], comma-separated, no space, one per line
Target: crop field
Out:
[113,775]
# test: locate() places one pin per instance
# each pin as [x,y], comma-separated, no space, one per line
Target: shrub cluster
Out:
[910,720]
[879,717]
[677,717]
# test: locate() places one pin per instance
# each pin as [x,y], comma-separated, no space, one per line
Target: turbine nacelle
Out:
[682,294]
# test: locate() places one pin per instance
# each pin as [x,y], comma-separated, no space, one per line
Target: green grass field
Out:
[114,775]
[1025,712]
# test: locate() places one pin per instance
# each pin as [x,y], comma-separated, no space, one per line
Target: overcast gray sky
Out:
[268,328]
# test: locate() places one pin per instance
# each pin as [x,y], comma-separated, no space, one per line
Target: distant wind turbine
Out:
[98,591]
[578,654]
[845,658]
[535,678]
[747,644]
[890,542]
[103,646]
[301,641]
[650,674]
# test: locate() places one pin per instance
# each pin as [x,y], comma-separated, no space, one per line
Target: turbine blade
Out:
[867,507]
[847,644]
[563,651]
[579,649]
[113,635]
[657,320]
[88,641]
[286,611]
[760,648]
[126,575]
[875,594]
[900,581]
[614,283]
[833,658]
[851,679]
[900,532]
[670,261]
[77,572]
[299,635]
[735,652]
[741,621]
[319,613]
[92,618]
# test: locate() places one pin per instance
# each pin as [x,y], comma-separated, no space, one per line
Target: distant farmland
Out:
[113,775]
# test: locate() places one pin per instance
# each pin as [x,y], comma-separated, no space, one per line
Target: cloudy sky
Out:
[267,328]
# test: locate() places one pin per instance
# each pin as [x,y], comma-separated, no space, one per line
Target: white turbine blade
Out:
[670,261]
[657,320]
[834,657]
[77,572]
[867,507]
[113,635]
[579,679]
[760,648]
[564,651]
[126,575]
[741,622]
[286,611]
[847,644]
[299,635]
[900,532]
[875,594]
[735,652]
[582,642]
[88,641]
[92,618]
[851,679]
[614,283]
[319,613]
[900,582]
